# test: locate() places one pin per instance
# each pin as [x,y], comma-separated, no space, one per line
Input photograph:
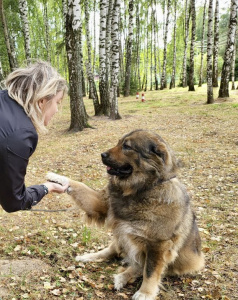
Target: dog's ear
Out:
[158,151]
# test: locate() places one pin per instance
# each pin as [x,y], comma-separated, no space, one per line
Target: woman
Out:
[27,105]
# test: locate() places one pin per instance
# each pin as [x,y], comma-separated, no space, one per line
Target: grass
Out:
[204,138]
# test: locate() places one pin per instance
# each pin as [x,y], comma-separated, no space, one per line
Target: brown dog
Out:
[148,210]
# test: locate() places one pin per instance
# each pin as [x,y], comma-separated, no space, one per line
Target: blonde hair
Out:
[29,85]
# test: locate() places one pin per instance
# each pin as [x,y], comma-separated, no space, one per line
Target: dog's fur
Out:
[148,210]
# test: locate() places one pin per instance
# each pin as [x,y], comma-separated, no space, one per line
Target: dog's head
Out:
[140,154]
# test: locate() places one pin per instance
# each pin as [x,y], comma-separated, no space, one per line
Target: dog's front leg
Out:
[102,255]
[93,203]
[157,258]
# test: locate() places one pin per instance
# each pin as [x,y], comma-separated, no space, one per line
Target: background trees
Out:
[159,41]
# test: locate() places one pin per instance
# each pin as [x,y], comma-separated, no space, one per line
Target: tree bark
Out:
[233,66]
[47,35]
[129,50]
[209,53]
[163,78]
[216,46]
[25,27]
[186,32]
[226,68]
[193,35]
[202,44]
[92,86]
[155,48]
[73,47]
[172,83]
[114,113]
[103,84]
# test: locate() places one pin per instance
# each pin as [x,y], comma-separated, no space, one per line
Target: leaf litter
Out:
[205,139]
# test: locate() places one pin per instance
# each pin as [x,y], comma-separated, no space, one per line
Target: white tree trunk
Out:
[226,68]
[202,44]
[186,32]
[129,49]
[209,53]
[25,26]
[114,113]
[163,78]
[103,85]
[216,46]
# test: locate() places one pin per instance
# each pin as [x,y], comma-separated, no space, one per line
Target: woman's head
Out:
[34,88]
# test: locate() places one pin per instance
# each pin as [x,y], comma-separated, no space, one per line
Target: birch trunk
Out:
[129,50]
[155,48]
[233,66]
[103,85]
[226,68]
[92,86]
[11,54]
[47,36]
[1,75]
[25,26]
[186,32]
[163,78]
[73,46]
[209,53]
[202,44]
[137,69]
[114,113]
[216,46]
[172,83]
[191,67]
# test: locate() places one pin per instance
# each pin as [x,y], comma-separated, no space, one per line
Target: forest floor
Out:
[38,248]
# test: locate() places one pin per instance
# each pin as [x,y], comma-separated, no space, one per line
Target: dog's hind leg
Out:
[102,255]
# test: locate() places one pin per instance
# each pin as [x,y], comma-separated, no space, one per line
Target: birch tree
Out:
[186,32]
[216,46]
[226,68]
[193,36]
[209,53]
[114,113]
[103,84]
[1,74]
[155,43]
[25,27]
[11,54]
[202,44]
[92,86]
[163,78]
[129,50]
[233,66]
[172,82]
[73,48]
[47,35]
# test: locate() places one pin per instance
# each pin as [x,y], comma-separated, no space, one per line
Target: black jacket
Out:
[18,140]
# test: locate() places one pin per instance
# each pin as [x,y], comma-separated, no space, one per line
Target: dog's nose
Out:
[104,154]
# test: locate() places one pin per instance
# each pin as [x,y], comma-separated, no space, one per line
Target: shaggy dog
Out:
[148,211]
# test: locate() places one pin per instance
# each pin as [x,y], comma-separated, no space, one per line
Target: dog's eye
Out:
[126,147]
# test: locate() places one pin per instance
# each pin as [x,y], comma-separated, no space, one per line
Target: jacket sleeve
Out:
[14,195]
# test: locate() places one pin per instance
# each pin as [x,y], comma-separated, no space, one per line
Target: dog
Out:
[148,210]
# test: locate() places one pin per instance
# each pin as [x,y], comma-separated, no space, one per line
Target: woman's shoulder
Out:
[13,117]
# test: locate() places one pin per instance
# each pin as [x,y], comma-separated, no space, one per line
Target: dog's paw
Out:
[50,176]
[142,296]
[88,257]
[119,281]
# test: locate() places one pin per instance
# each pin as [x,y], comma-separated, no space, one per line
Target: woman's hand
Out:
[56,187]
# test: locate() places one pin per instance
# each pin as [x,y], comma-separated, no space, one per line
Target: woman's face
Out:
[50,107]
